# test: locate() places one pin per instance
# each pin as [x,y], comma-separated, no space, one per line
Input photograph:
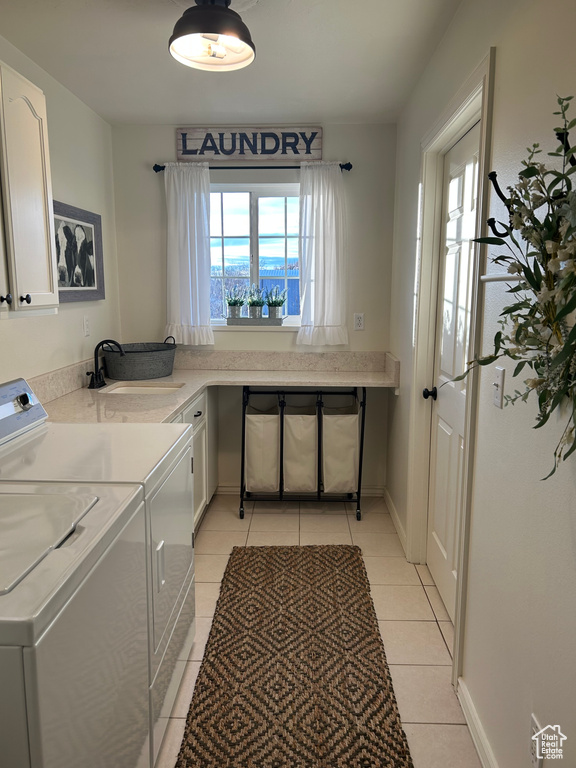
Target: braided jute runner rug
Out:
[294,674]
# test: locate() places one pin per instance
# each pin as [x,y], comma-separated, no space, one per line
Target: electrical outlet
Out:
[86,325]
[359,321]
[535,761]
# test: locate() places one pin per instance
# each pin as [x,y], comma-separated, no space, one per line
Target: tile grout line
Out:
[436,619]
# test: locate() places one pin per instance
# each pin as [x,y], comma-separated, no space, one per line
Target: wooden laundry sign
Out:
[248,144]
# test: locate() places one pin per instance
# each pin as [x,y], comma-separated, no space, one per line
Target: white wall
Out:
[141,227]
[521,617]
[81,166]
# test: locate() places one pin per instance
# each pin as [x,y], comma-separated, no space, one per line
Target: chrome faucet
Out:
[97,375]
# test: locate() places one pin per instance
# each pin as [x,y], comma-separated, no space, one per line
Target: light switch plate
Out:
[499,387]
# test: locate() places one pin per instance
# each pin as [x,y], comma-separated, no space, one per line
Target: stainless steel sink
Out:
[138,388]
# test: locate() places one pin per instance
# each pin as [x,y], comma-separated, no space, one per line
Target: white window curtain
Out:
[322,227]
[188,253]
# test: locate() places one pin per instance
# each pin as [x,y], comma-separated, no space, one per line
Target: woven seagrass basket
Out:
[147,360]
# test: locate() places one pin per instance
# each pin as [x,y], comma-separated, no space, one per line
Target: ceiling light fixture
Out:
[212,37]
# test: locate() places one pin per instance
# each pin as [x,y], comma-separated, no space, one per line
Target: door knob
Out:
[433,393]
[27,299]
[7,299]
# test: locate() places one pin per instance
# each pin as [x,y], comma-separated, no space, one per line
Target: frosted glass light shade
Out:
[212,37]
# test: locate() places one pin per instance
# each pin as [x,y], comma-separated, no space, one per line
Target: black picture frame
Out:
[79,254]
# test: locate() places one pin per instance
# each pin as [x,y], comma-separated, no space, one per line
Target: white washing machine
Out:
[154,461]
[73,588]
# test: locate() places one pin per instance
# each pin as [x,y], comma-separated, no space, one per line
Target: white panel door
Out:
[460,187]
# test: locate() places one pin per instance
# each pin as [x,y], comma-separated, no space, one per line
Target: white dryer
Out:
[156,458]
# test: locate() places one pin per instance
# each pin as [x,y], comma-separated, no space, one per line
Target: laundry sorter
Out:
[302,445]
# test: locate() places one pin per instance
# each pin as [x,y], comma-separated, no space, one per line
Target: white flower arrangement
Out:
[539,327]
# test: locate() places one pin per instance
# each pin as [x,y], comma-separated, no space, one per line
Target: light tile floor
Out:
[415,627]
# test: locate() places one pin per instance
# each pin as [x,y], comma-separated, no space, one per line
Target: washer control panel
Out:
[20,409]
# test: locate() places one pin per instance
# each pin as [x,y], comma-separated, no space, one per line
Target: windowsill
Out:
[290,325]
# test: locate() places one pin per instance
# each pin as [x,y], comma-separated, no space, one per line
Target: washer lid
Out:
[31,525]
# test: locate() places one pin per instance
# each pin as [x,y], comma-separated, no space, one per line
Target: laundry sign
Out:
[249,144]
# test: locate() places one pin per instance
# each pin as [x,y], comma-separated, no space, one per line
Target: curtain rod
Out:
[343,166]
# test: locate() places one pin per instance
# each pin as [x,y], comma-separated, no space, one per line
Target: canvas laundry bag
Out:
[300,449]
[340,448]
[262,458]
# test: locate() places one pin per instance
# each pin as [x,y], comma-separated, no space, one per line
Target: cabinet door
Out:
[200,473]
[27,194]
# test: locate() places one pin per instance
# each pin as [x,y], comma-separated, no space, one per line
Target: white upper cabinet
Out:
[31,280]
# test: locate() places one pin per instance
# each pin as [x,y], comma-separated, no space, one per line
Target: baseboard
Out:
[228,490]
[234,490]
[475,727]
[373,490]
[400,530]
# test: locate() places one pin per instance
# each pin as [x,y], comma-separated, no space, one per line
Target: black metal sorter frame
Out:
[319,495]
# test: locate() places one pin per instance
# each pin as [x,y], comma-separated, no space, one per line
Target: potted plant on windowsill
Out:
[235,299]
[275,299]
[255,302]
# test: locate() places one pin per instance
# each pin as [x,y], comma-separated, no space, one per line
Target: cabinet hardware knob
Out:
[7,299]
[433,393]
[27,299]
[198,413]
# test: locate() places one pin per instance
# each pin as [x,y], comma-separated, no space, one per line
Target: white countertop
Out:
[99,405]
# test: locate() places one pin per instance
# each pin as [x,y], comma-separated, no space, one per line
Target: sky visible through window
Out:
[271,236]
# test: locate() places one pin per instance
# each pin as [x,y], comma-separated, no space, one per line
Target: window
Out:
[254,238]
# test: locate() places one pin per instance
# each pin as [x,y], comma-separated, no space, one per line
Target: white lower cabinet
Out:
[200,472]
[202,414]
[212,443]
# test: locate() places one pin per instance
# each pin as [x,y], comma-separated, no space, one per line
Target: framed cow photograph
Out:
[79,255]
